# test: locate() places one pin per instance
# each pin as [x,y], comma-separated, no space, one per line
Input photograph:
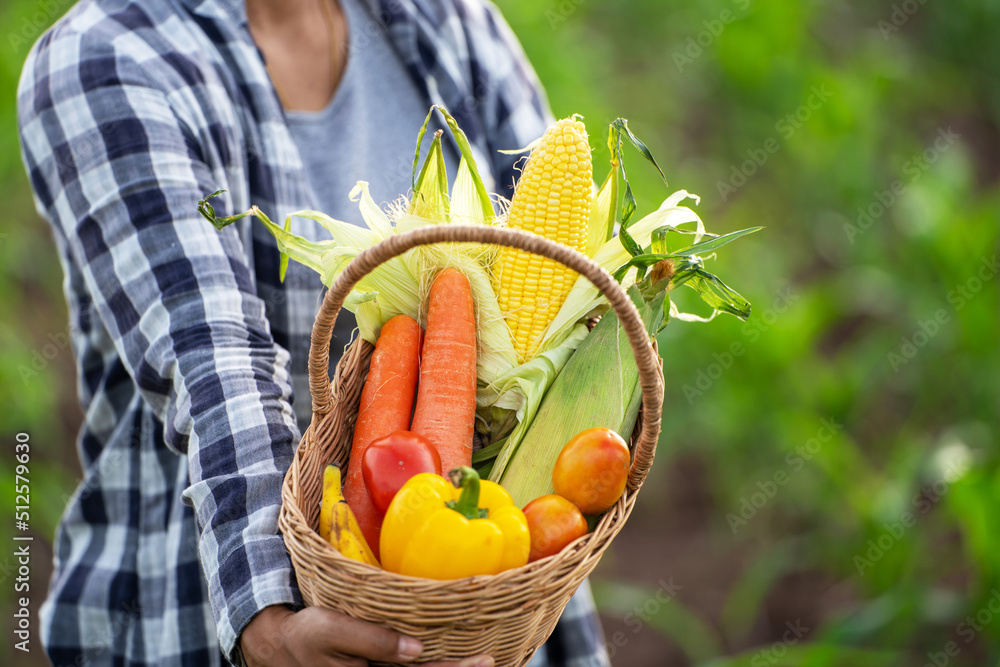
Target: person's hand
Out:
[317,637]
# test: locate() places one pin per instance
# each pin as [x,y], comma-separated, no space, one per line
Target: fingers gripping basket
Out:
[508,615]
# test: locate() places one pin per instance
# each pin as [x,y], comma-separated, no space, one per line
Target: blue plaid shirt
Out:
[189,348]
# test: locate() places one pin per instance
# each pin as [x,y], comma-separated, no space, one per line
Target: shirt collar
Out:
[229,10]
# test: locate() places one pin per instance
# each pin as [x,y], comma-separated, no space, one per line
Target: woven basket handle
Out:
[650,375]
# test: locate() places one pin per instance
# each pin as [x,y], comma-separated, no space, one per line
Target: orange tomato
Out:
[553,522]
[592,469]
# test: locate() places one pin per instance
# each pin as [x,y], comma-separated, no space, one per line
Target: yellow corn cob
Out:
[552,199]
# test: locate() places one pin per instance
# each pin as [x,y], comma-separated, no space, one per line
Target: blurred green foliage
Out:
[875,313]
[37,373]
[833,460]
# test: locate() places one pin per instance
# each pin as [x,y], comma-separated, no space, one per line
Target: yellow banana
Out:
[337,523]
[331,494]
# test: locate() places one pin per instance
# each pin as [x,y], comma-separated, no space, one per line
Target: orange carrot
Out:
[446,395]
[386,406]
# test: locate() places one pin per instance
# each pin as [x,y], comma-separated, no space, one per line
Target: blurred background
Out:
[827,487]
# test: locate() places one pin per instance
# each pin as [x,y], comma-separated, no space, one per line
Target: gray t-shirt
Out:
[367,132]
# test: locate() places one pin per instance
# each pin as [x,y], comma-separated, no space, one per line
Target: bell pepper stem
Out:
[467,505]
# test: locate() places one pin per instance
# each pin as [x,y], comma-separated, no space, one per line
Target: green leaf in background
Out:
[746,598]
[663,613]
[811,655]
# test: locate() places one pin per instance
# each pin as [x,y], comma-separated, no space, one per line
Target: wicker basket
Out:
[508,615]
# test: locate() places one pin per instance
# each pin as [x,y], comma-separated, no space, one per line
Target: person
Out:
[191,351]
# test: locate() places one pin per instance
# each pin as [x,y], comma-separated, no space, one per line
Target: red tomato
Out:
[553,522]
[390,462]
[592,469]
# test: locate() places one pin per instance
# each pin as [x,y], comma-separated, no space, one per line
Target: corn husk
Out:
[599,386]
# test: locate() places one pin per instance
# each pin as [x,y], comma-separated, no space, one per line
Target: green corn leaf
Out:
[660,244]
[641,262]
[715,243]
[658,240]
[416,153]
[718,295]
[208,212]
[685,269]
[488,453]
[619,128]
[283,269]
[430,192]
[465,148]
[621,125]
[628,242]
[689,269]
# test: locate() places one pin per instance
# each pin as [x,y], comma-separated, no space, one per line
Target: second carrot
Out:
[446,396]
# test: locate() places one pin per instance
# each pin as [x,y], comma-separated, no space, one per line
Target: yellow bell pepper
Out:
[441,530]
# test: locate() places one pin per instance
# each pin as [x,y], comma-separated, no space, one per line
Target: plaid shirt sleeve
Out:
[118,173]
[121,137]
